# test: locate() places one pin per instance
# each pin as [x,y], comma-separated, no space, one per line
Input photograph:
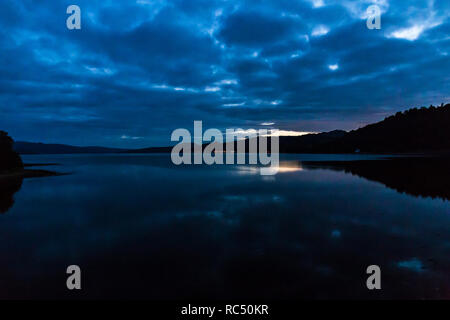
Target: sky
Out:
[137,70]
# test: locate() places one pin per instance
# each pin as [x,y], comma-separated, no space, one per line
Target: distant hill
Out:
[412,131]
[309,143]
[291,144]
[424,130]
[151,150]
[44,148]
[9,159]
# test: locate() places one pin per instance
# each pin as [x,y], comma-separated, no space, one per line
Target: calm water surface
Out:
[140,227]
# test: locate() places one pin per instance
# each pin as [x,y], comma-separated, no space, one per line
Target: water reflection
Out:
[290,166]
[9,185]
[283,167]
[140,227]
[426,177]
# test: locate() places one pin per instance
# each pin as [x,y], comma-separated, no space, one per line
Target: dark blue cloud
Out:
[139,69]
[253,28]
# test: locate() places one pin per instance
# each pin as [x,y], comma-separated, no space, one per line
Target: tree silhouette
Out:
[414,130]
[9,160]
